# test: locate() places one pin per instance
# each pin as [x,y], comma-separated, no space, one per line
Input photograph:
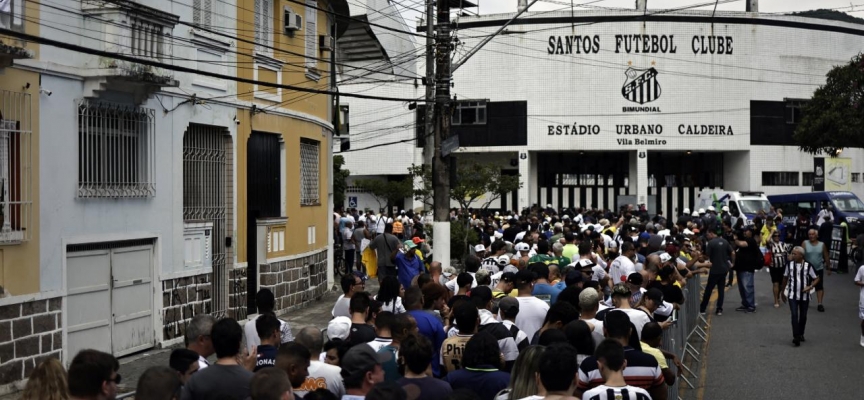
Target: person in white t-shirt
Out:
[611,363]
[321,375]
[859,280]
[622,266]
[621,299]
[532,311]
[266,302]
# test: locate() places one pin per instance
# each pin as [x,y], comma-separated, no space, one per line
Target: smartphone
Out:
[674,317]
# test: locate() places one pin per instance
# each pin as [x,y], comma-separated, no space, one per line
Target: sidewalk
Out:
[751,356]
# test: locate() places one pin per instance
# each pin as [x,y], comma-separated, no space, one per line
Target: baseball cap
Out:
[635,278]
[508,277]
[449,271]
[665,257]
[339,328]
[503,260]
[478,248]
[409,244]
[522,246]
[508,304]
[586,263]
[417,240]
[361,359]
[725,208]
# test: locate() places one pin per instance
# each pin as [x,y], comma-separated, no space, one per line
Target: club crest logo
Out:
[641,85]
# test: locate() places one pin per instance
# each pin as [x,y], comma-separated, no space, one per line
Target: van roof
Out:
[810,196]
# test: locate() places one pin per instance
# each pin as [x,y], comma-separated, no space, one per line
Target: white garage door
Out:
[110,298]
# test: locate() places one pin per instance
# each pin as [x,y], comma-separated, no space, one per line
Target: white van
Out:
[741,204]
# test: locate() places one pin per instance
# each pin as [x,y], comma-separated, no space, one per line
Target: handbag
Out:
[769,258]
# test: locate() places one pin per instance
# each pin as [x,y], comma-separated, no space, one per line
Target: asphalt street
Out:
[751,356]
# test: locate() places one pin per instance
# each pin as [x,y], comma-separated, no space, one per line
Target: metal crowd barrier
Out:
[679,339]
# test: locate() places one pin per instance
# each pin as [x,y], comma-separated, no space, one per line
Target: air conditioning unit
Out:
[293,21]
[325,42]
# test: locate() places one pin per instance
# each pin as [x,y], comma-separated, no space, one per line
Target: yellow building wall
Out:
[290,129]
[19,263]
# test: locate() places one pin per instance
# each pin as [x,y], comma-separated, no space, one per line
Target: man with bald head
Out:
[436,273]
[321,375]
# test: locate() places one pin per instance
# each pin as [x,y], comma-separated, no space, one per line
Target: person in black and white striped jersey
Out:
[779,259]
[799,279]
[611,361]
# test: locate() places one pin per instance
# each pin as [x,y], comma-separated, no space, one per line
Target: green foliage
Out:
[834,118]
[387,192]
[481,182]
[460,236]
[831,15]
[340,178]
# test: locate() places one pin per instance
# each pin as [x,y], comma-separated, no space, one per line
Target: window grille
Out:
[309,162]
[148,39]
[15,166]
[312,35]
[856,177]
[115,150]
[806,179]
[470,113]
[202,12]
[12,15]
[264,26]
[779,178]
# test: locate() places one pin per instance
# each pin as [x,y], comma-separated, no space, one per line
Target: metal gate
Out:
[205,172]
[110,297]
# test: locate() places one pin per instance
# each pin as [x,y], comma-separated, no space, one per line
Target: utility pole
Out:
[428,151]
[440,167]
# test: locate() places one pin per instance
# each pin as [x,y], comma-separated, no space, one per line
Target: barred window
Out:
[148,38]
[779,178]
[806,179]
[15,165]
[856,177]
[115,150]
[12,15]
[309,167]
[264,26]
[202,12]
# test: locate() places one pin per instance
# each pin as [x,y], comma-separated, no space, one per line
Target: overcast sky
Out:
[506,6]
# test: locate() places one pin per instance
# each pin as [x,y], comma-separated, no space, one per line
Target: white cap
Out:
[449,271]
[503,260]
[498,235]
[522,246]
[688,232]
[701,211]
[686,211]
[565,216]
[339,328]
[549,205]
[665,257]
[725,208]
[478,248]
[695,214]
[711,208]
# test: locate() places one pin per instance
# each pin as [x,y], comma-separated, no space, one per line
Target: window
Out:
[210,59]
[12,15]
[856,177]
[264,26]
[268,70]
[470,113]
[312,39]
[15,201]
[309,182]
[202,12]
[794,110]
[806,179]
[779,178]
[148,38]
[115,150]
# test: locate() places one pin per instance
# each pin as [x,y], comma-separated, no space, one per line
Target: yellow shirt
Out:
[656,353]
[766,234]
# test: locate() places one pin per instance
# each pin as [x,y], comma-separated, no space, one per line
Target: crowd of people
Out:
[548,306]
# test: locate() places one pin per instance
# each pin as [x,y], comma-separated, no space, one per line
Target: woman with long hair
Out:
[390,295]
[523,380]
[47,382]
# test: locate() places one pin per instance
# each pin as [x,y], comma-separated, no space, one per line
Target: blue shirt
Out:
[266,356]
[545,289]
[432,328]
[485,381]
[408,268]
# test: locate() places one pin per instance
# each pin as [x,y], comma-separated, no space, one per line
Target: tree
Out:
[481,182]
[421,176]
[834,117]
[386,192]
[340,178]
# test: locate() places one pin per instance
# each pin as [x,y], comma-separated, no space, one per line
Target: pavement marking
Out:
[703,367]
